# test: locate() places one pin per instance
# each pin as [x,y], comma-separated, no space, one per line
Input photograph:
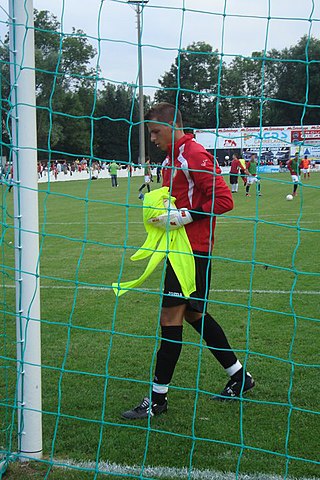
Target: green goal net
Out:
[246,77]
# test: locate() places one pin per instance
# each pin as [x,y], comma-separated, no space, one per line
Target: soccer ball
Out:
[289,197]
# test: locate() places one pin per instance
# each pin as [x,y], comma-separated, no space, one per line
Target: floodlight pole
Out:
[139,4]
[26,226]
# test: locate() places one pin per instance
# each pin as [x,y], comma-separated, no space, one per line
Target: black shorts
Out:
[172,293]
[233,179]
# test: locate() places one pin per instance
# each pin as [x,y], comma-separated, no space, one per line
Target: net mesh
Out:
[99,350]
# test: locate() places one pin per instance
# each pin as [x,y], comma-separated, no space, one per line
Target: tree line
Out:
[81,115]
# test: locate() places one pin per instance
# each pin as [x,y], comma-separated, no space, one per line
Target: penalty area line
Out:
[167,472]
[213,290]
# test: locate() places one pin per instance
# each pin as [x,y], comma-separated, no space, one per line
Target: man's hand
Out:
[172,220]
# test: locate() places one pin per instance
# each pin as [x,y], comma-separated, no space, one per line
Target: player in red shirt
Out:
[234,173]
[195,180]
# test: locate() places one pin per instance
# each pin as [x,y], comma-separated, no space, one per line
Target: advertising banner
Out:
[268,168]
[267,137]
[306,141]
[246,137]
[306,136]
[269,154]
[273,144]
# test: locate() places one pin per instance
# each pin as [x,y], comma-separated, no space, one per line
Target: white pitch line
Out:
[213,290]
[221,221]
[91,223]
[170,472]
[267,292]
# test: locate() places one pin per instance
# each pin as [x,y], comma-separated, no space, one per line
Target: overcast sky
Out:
[172,24]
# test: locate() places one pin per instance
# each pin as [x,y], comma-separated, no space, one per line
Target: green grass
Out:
[265,269]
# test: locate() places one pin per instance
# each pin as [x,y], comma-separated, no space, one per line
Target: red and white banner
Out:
[305,139]
[306,136]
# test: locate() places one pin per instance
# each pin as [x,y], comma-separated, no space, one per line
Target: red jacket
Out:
[196,183]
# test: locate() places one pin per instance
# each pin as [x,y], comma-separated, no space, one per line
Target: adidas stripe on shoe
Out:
[234,389]
[144,409]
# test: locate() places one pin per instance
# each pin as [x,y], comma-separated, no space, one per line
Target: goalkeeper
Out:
[201,193]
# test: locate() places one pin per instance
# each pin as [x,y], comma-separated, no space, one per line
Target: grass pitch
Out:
[99,351]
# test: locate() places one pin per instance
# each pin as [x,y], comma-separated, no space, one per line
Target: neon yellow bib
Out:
[160,242]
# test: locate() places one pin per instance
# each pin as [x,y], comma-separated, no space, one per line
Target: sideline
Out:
[168,472]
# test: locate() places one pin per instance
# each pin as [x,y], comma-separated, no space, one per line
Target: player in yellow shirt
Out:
[243,170]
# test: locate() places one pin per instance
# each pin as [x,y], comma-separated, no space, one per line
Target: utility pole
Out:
[139,5]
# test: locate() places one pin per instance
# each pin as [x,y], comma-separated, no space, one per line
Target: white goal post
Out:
[26,225]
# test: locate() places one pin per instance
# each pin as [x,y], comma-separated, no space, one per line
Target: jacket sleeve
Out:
[211,183]
[220,197]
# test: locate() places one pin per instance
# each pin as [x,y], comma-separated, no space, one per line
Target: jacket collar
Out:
[187,137]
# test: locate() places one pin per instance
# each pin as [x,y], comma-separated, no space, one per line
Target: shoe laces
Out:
[144,405]
[230,388]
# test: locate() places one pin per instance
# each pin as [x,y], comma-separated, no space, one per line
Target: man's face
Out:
[161,135]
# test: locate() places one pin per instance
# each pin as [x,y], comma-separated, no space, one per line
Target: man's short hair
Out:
[165,112]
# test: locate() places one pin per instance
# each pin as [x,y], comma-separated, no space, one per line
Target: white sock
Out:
[156,387]
[234,368]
